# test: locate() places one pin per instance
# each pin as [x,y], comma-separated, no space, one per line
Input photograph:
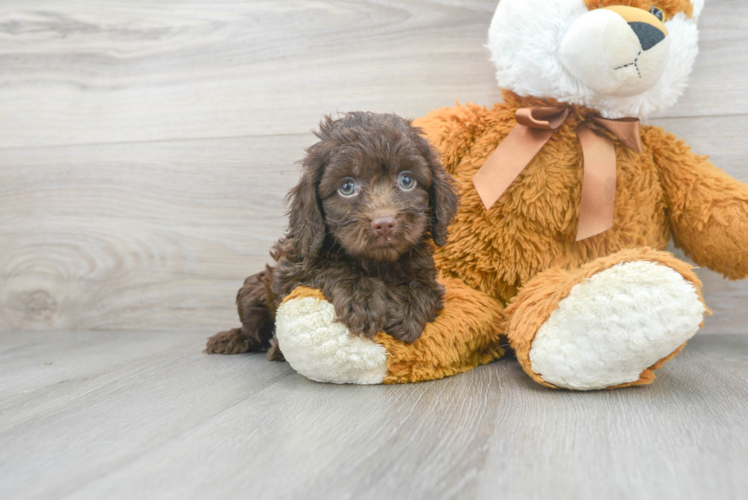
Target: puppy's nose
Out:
[383,224]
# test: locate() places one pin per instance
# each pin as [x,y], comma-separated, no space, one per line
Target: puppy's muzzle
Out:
[383,225]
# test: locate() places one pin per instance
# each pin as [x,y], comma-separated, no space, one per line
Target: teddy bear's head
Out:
[620,57]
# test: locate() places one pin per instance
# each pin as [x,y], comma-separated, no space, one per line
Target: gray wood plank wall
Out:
[145,147]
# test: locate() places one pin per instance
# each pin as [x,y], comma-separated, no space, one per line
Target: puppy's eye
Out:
[657,13]
[407,182]
[347,188]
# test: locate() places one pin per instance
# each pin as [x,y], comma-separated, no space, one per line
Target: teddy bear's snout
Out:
[617,51]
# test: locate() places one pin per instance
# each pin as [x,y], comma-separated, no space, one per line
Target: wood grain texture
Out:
[145,148]
[82,72]
[89,72]
[91,415]
[158,236]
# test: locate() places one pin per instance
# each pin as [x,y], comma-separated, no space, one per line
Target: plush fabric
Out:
[525,37]
[321,348]
[668,191]
[606,311]
[533,226]
[617,294]
[464,335]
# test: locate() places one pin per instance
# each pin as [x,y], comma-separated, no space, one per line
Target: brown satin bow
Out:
[535,127]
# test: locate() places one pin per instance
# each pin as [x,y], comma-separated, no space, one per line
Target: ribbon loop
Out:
[543,118]
[535,127]
[625,129]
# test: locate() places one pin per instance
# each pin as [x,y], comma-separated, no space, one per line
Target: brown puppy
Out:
[371,195]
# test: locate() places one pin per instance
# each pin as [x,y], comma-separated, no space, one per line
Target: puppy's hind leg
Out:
[257,314]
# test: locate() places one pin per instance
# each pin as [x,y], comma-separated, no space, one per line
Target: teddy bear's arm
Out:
[453,131]
[708,208]
[466,333]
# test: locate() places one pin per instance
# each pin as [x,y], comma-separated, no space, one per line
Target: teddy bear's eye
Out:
[347,188]
[407,182]
[657,13]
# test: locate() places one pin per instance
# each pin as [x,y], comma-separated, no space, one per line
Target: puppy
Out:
[372,195]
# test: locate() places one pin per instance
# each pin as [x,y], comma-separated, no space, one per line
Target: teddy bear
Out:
[567,206]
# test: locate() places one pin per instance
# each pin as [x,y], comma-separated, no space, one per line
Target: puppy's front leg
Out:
[360,304]
[410,307]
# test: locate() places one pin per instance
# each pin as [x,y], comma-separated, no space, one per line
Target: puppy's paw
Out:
[365,317]
[407,331]
[274,353]
[233,341]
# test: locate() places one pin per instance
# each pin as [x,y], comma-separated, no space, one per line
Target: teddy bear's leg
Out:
[464,335]
[607,324]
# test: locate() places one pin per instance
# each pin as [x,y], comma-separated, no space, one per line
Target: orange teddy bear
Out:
[567,208]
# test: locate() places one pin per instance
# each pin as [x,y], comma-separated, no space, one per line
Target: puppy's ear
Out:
[443,197]
[306,222]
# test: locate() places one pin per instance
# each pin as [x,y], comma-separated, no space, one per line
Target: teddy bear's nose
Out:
[648,35]
[384,224]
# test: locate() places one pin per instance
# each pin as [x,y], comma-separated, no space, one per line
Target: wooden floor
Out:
[94,415]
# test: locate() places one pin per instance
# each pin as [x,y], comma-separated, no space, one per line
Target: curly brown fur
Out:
[256,314]
[371,196]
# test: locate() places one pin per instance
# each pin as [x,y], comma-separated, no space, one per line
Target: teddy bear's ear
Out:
[443,197]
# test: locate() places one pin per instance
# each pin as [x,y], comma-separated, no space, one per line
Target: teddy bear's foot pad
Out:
[615,325]
[324,350]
